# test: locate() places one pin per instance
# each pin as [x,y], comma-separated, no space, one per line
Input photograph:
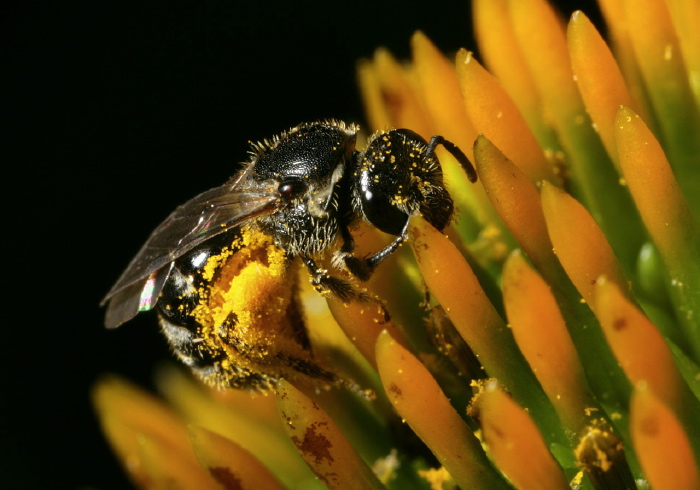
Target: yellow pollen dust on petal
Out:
[418,399]
[581,246]
[515,444]
[496,116]
[661,444]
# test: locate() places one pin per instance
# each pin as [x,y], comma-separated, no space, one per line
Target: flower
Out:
[562,342]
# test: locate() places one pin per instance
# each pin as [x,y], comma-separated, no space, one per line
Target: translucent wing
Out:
[199,219]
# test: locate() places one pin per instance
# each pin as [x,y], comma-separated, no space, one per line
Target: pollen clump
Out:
[249,312]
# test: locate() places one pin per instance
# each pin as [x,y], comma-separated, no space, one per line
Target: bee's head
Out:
[306,162]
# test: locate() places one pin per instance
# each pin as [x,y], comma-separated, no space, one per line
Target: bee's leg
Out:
[455,151]
[309,368]
[323,281]
[363,268]
[344,257]
[304,366]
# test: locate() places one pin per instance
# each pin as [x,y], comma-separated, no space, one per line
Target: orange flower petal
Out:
[439,89]
[228,463]
[496,116]
[517,203]
[637,344]
[170,469]
[594,180]
[685,14]
[454,285]
[321,444]
[615,15]
[422,404]
[580,244]
[403,106]
[126,413]
[658,54]
[243,417]
[362,322]
[515,444]
[655,190]
[376,110]
[540,34]
[541,334]
[503,57]
[598,77]
[515,199]
[666,214]
[661,444]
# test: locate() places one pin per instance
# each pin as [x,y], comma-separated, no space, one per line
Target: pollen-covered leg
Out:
[324,282]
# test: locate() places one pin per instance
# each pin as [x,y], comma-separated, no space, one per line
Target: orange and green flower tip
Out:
[661,443]
[569,280]
[514,442]
[541,334]
[422,404]
[321,443]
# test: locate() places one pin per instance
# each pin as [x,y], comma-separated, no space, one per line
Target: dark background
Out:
[117,112]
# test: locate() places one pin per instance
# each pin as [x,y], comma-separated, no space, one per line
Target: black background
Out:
[116,112]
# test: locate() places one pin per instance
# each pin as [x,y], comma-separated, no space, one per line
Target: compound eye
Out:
[292,188]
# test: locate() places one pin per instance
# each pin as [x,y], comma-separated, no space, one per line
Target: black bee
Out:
[221,269]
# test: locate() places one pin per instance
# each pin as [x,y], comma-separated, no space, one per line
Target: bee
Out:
[221,269]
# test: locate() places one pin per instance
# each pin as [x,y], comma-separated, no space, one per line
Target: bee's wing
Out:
[191,224]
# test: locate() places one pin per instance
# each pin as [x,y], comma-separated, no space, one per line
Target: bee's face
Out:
[307,165]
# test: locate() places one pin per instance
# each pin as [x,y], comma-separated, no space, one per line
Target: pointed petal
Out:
[666,214]
[497,117]
[510,434]
[580,244]
[541,333]
[321,444]
[231,466]
[422,404]
[661,444]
